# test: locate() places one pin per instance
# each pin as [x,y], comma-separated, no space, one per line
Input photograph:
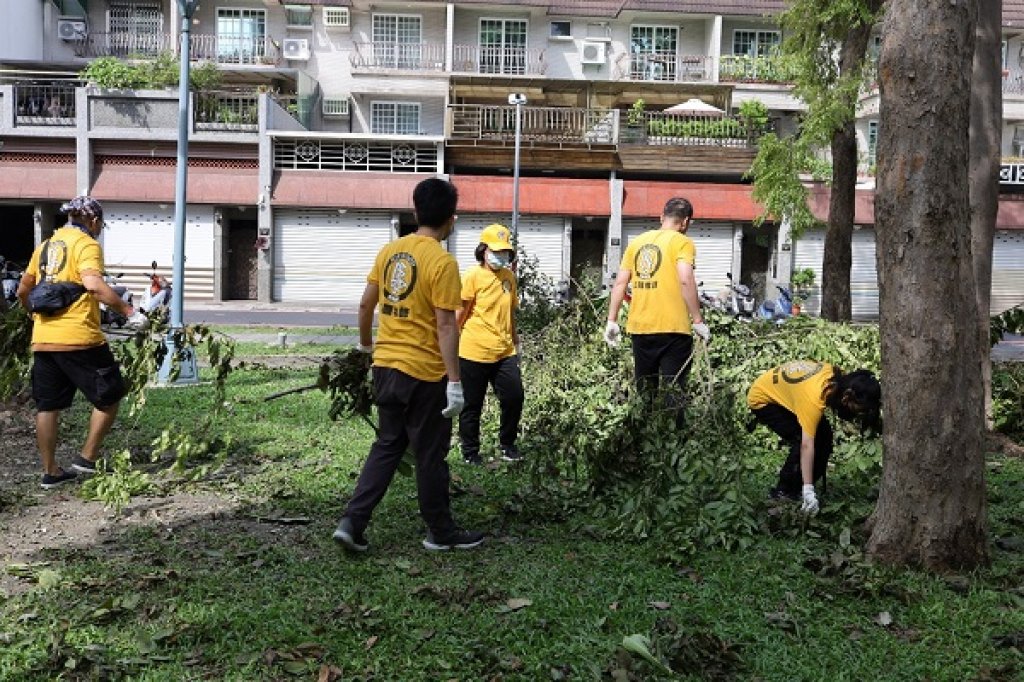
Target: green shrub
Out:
[15,354]
[154,73]
[1008,399]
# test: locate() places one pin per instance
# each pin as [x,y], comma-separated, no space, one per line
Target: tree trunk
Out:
[931,506]
[986,142]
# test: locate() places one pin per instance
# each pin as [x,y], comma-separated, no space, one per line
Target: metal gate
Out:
[321,256]
[1007,270]
[138,234]
[809,252]
[713,242]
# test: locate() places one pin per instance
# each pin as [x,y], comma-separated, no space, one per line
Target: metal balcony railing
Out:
[665,66]
[380,56]
[44,105]
[125,44]
[358,153]
[746,69]
[231,111]
[235,49]
[506,61]
[539,124]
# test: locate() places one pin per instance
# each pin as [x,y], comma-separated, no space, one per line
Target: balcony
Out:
[227,111]
[745,69]
[374,57]
[356,152]
[505,61]
[44,105]
[219,48]
[126,45]
[664,66]
[483,125]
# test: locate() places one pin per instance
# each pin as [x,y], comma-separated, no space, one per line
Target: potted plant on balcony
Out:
[753,114]
[636,128]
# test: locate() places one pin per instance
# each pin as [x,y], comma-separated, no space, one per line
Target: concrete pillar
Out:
[784,254]
[264,210]
[566,283]
[83,145]
[615,245]
[714,47]
[220,252]
[449,36]
[8,107]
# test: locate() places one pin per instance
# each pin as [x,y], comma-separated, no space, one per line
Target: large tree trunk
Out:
[931,507]
[837,260]
[985,140]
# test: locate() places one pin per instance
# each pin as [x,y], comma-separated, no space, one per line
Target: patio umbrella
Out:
[694,106]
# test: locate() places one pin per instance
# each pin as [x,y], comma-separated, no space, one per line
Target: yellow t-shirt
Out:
[798,386]
[69,252]
[487,333]
[658,306]
[415,275]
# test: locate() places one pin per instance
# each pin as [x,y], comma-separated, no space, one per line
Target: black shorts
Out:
[93,371]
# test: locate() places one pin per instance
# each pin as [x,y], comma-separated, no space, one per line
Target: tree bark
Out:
[986,142]
[931,508]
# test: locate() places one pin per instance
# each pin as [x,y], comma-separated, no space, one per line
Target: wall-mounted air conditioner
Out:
[592,52]
[295,49]
[337,17]
[70,28]
[335,106]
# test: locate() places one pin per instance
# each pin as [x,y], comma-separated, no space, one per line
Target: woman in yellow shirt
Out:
[487,346]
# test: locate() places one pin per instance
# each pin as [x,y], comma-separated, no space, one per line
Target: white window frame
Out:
[505,67]
[758,32]
[643,67]
[398,53]
[302,8]
[259,48]
[374,129]
[559,36]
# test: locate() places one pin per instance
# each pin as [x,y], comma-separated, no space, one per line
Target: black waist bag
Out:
[50,298]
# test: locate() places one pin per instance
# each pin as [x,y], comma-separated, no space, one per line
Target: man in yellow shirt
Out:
[659,264]
[487,346]
[69,351]
[416,387]
[791,399]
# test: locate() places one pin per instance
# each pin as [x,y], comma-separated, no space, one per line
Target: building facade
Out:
[302,161]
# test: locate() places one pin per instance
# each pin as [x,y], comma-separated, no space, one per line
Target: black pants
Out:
[783,422]
[662,363]
[409,411]
[507,381]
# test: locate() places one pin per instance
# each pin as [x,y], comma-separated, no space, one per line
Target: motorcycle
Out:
[707,300]
[110,317]
[777,310]
[10,276]
[739,300]
[157,296]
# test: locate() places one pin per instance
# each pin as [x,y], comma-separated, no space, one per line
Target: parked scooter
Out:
[10,276]
[740,301]
[112,318]
[707,300]
[157,296]
[779,309]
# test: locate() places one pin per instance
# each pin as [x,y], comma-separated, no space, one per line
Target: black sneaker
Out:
[54,480]
[82,465]
[457,539]
[473,458]
[778,493]
[345,534]
[510,453]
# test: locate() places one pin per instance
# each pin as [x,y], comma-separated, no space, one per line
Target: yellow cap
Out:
[496,237]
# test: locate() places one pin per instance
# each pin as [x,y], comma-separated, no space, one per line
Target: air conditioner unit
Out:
[337,17]
[335,106]
[592,52]
[71,28]
[295,49]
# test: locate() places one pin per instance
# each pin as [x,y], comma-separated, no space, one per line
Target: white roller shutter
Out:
[713,242]
[539,237]
[322,256]
[138,234]
[1007,270]
[809,252]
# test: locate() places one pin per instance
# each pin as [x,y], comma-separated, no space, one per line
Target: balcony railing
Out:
[745,69]
[398,56]
[235,49]
[359,153]
[665,66]
[658,128]
[230,111]
[539,124]
[125,44]
[506,61]
[44,105]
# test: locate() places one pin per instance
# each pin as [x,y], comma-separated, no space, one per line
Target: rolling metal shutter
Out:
[321,256]
[539,237]
[809,252]
[1007,270]
[714,244]
[138,234]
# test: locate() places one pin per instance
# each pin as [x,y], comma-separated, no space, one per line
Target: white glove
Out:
[456,401]
[139,321]
[700,329]
[612,334]
[365,349]
[810,503]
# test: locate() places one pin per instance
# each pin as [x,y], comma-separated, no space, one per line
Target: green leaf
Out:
[640,645]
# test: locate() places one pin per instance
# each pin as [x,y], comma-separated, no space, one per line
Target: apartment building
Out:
[302,163]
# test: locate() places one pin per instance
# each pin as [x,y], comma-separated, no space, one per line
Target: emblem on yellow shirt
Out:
[399,276]
[647,261]
[795,371]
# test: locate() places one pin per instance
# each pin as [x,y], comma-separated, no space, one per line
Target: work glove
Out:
[612,334]
[700,329]
[365,349]
[810,503]
[456,401]
[139,321]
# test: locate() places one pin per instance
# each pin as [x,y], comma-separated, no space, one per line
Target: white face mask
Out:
[497,260]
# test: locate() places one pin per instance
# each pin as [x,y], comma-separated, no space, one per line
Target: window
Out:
[755,43]
[872,141]
[503,46]
[298,16]
[241,35]
[134,28]
[395,118]
[560,30]
[653,53]
[397,40]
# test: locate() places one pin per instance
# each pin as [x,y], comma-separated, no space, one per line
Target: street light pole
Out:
[518,99]
[187,371]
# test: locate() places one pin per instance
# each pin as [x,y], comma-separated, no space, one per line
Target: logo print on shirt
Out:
[399,277]
[56,259]
[796,371]
[647,261]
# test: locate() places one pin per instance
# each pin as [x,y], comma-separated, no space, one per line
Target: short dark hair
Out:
[678,207]
[435,201]
[866,392]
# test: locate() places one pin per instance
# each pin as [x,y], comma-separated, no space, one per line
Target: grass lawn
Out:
[263,593]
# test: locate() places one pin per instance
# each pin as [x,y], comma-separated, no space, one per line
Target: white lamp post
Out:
[518,99]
